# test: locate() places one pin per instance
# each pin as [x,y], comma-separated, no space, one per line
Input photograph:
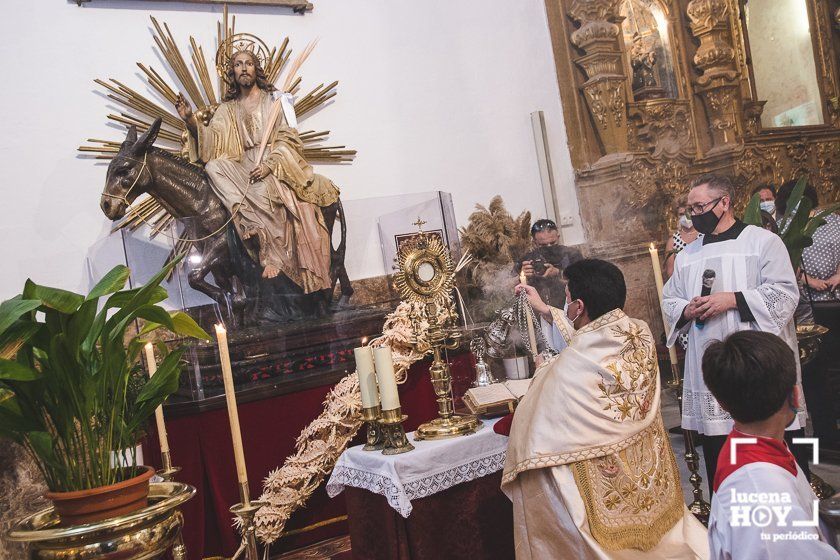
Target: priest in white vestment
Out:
[589,467]
[764,507]
[754,288]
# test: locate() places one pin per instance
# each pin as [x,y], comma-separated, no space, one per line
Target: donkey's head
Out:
[128,175]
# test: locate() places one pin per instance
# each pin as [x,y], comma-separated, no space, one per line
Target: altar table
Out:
[441,500]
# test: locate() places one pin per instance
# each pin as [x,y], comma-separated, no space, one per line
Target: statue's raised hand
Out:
[183,108]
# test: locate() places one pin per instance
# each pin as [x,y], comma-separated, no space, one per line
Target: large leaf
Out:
[113,281]
[12,421]
[13,371]
[80,325]
[13,338]
[752,214]
[155,314]
[165,380]
[121,299]
[162,384]
[42,445]
[186,326]
[54,298]
[13,309]
[182,324]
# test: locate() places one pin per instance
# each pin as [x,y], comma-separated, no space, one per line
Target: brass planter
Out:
[809,338]
[141,535]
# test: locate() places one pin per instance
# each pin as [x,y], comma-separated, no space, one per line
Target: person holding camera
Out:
[544,264]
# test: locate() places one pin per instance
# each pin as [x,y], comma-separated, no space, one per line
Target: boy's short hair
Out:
[750,373]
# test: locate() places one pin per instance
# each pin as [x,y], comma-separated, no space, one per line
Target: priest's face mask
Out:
[573,308]
[706,207]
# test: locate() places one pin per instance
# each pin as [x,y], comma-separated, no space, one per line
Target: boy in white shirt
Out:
[763,506]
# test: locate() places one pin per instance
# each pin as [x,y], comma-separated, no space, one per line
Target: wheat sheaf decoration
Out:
[321,442]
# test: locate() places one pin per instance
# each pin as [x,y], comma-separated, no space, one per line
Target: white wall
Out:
[435,95]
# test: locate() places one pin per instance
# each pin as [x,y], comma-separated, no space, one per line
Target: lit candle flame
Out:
[364,340]
[220,328]
[652,247]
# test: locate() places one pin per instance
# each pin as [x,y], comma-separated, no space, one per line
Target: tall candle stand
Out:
[699,507]
[167,472]
[245,511]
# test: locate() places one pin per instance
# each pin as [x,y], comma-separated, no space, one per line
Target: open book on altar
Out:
[498,398]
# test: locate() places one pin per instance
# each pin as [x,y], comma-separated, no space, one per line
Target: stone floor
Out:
[671,417]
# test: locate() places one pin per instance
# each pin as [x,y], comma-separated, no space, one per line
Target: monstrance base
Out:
[441,428]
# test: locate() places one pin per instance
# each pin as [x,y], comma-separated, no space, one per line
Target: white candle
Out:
[657,276]
[367,376]
[385,375]
[161,427]
[230,398]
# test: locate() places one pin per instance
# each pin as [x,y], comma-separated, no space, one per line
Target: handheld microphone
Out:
[708,280]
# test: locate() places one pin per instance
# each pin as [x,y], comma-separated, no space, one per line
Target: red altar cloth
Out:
[201,445]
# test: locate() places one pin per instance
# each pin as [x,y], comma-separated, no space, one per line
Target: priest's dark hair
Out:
[750,373]
[721,184]
[599,284]
[786,190]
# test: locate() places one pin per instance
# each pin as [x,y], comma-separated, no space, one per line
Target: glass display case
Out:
[282,340]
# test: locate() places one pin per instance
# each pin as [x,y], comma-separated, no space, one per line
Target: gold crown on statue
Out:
[236,44]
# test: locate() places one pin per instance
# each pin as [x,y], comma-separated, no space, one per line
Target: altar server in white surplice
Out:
[589,466]
[764,507]
[754,288]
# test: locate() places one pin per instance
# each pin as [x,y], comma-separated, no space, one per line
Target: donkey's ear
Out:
[131,137]
[148,138]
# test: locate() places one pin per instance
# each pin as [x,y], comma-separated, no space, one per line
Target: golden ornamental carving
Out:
[752,114]
[661,127]
[828,171]
[707,14]
[655,183]
[594,10]
[594,31]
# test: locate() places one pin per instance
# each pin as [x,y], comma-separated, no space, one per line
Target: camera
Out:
[539,266]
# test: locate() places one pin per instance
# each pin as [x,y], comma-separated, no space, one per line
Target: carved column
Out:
[605,87]
[715,57]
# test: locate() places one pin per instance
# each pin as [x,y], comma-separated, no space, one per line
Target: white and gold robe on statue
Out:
[282,209]
[589,467]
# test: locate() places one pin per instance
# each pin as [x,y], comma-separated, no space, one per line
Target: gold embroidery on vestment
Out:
[631,391]
[632,497]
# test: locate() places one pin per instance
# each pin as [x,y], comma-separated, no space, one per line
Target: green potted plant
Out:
[73,391]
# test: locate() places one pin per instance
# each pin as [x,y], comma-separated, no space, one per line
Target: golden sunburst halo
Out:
[195,81]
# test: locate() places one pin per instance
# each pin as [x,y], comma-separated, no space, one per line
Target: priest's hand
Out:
[714,304]
[260,172]
[539,306]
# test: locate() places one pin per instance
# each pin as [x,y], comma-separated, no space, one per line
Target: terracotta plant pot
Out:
[86,506]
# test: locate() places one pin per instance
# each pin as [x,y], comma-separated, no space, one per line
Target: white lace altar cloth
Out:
[432,467]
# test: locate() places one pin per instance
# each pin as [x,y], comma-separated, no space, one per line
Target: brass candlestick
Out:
[168,472]
[699,507]
[375,439]
[245,511]
[395,440]
[447,424]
